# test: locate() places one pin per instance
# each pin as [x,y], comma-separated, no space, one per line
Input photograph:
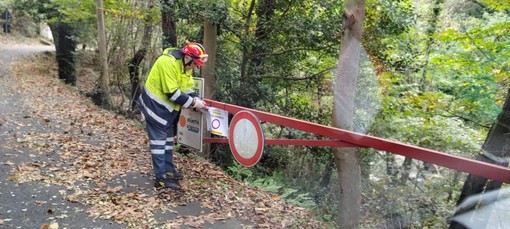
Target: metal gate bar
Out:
[293,142]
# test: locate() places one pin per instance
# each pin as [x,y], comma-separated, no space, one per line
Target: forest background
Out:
[432,73]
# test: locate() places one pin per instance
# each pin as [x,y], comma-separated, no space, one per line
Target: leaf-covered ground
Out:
[102,161]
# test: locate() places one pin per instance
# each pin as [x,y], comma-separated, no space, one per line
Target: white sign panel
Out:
[217,121]
[189,129]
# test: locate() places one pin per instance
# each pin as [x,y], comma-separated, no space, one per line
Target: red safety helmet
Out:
[195,51]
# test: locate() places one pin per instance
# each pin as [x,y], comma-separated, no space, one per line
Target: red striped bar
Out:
[293,142]
[463,164]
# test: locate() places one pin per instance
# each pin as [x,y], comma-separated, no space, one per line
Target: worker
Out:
[168,88]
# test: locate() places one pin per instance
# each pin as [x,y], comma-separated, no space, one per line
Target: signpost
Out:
[6,16]
[189,128]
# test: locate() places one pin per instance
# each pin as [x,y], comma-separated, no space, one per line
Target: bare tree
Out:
[168,24]
[210,43]
[134,63]
[103,91]
[346,159]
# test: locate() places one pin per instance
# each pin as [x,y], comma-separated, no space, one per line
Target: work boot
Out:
[166,183]
[175,175]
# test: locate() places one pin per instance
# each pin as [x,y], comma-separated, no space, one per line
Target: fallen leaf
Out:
[74,198]
[208,205]
[88,174]
[263,225]
[128,211]
[195,224]
[113,190]
[40,202]
[261,211]
[53,225]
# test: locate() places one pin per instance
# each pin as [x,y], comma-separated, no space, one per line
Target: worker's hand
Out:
[199,104]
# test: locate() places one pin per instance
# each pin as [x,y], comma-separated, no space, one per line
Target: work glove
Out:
[199,104]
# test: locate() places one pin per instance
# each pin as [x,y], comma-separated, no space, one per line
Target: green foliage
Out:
[239,172]
[291,195]
[83,24]
[275,183]
[268,184]
[384,20]
[497,4]
[298,44]
[475,64]
[196,11]
[440,133]
[39,10]
[124,9]
[409,206]
[68,9]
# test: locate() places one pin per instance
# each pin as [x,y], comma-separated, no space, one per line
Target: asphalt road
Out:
[31,204]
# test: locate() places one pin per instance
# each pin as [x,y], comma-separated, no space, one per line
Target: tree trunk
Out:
[265,12]
[326,176]
[436,11]
[65,46]
[134,75]
[134,63]
[245,78]
[252,63]
[103,91]
[208,73]
[346,159]
[391,171]
[495,150]
[406,170]
[210,43]
[168,24]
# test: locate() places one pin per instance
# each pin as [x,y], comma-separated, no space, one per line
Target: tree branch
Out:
[491,59]
[465,119]
[318,74]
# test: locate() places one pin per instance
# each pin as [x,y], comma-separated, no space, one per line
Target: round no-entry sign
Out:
[246,139]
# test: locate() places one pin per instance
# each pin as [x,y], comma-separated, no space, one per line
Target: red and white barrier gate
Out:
[344,138]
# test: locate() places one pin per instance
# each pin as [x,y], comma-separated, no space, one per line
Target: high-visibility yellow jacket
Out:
[168,87]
